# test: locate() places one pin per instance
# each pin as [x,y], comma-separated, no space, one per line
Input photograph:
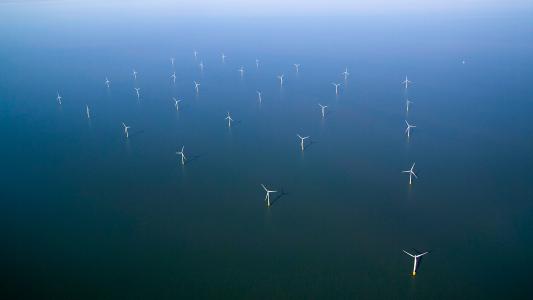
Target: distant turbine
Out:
[302,139]
[201,66]
[345,73]
[87,111]
[229,119]
[241,70]
[408,129]
[196,86]
[126,129]
[176,103]
[59,98]
[463,62]
[336,87]
[280,77]
[195,54]
[323,107]
[223,58]
[297,66]
[134,74]
[107,82]
[411,173]
[183,158]
[415,257]
[407,103]
[137,91]
[406,82]
[172,61]
[173,76]
[259,97]
[267,197]
[257,63]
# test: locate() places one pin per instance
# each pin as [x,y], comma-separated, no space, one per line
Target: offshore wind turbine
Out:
[134,74]
[280,77]
[196,86]
[195,54]
[415,258]
[172,61]
[87,111]
[182,153]
[223,58]
[229,119]
[411,173]
[406,82]
[297,66]
[241,70]
[302,139]
[59,99]
[408,129]
[323,108]
[259,97]
[107,82]
[176,103]
[336,87]
[345,73]
[267,197]
[137,91]
[201,66]
[257,63]
[173,76]
[407,103]
[126,129]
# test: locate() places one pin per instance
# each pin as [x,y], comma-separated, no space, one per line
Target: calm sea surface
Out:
[87,213]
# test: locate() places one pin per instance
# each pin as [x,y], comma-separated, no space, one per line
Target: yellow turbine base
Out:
[414,273]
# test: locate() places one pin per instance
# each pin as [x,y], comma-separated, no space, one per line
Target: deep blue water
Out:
[86,213]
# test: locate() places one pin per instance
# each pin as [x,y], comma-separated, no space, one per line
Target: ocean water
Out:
[87,213]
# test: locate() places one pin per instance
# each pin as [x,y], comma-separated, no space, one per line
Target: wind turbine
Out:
[280,77]
[323,107]
[336,87]
[173,76]
[183,158]
[87,111]
[345,73]
[172,61]
[229,119]
[259,97]
[176,103]
[267,197]
[411,173]
[257,63]
[137,91]
[126,129]
[196,86]
[302,139]
[134,74]
[59,98]
[297,66]
[408,129]
[107,82]
[223,58]
[195,54]
[415,257]
[407,103]
[201,66]
[241,70]
[406,82]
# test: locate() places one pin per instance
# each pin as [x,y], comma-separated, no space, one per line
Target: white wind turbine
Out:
[59,98]
[176,103]
[229,119]
[297,66]
[134,74]
[408,129]
[302,139]
[259,97]
[107,82]
[87,111]
[267,197]
[201,66]
[411,173]
[280,77]
[223,58]
[345,73]
[126,129]
[406,82]
[323,108]
[415,257]
[257,63]
[407,104]
[336,87]
[196,86]
[173,76]
[182,153]
[241,70]
[172,61]
[195,54]
[137,91]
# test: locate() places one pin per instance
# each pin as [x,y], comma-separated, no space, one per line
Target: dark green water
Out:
[85,213]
